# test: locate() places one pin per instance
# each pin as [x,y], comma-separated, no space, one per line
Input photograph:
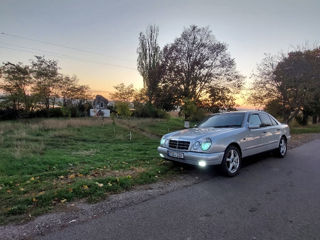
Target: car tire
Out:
[281,151]
[231,162]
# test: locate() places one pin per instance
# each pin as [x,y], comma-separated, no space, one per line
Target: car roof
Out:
[243,111]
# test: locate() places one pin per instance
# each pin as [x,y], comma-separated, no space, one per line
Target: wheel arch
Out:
[235,144]
[285,137]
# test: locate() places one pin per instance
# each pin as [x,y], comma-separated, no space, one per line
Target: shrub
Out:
[8,114]
[122,109]
[149,111]
[192,112]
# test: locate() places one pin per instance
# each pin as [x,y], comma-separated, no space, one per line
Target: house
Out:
[100,105]
[100,102]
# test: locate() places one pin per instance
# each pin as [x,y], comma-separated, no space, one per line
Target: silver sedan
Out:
[225,138]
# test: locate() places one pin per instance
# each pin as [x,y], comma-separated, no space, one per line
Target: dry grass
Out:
[25,148]
[136,123]
[47,124]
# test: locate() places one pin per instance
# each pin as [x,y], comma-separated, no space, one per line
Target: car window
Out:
[224,120]
[274,122]
[254,120]
[265,119]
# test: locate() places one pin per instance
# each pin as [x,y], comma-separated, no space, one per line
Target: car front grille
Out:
[183,145]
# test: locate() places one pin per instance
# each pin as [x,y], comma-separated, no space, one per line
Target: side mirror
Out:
[253,126]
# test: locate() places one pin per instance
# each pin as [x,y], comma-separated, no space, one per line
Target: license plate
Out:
[175,154]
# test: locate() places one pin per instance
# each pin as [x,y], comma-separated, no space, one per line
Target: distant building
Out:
[100,102]
[100,105]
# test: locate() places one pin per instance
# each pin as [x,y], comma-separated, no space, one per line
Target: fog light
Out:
[202,164]
[161,155]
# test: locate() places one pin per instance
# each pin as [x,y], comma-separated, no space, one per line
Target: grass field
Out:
[44,163]
[156,127]
[311,128]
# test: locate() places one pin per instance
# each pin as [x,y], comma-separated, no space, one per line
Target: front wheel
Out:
[282,148]
[231,162]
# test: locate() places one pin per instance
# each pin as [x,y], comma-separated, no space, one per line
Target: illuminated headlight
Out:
[206,144]
[196,146]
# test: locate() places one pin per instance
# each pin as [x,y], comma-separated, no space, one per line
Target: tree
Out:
[274,107]
[291,79]
[149,60]
[47,79]
[70,91]
[219,98]
[166,97]
[196,62]
[123,93]
[15,85]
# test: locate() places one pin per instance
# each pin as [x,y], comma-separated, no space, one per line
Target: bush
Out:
[149,111]
[192,112]
[122,109]
[69,111]
[8,114]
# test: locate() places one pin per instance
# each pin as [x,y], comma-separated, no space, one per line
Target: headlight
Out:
[206,144]
[164,142]
[196,146]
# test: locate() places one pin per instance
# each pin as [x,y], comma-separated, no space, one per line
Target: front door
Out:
[252,144]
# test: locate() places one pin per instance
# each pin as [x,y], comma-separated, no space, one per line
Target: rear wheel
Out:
[282,149]
[231,162]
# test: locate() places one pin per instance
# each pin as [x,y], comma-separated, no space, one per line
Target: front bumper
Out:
[193,158]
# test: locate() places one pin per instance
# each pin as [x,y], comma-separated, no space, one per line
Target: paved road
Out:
[271,199]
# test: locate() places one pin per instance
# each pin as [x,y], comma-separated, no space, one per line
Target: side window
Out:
[265,119]
[254,120]
[274,122]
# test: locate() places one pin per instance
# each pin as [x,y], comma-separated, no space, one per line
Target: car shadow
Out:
[261,157]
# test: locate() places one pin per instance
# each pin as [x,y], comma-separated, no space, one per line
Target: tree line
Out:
[194,74]
[39,89]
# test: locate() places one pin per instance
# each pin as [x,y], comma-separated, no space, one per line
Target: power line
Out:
[36,51]
[59,45]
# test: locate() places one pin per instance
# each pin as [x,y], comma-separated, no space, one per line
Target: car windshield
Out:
[226,120]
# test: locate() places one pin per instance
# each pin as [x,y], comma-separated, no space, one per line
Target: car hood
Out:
[197,133]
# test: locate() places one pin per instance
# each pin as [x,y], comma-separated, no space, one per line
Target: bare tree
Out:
[149,60]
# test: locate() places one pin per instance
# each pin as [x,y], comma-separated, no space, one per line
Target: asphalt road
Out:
[271,199]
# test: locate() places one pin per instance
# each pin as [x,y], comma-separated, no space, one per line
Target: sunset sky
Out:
[97,40]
